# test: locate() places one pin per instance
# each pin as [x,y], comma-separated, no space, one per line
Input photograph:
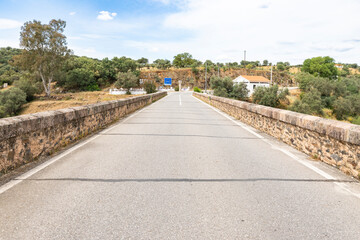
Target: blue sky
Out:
[277,30]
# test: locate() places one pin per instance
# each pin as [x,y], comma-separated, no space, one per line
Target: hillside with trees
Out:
[45,69]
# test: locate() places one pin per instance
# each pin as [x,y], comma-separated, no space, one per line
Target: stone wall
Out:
[28,137]
[334,142]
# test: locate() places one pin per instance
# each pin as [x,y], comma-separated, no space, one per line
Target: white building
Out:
[252,82]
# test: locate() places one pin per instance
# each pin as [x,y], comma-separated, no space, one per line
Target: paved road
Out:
[180,170]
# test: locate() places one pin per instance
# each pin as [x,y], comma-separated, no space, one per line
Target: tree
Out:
[265,62]
[124,64]
[143,61]
[44,50]
[269,96]
[183,60]
[162,63]
[280,66]
[240,91]
[320,66]
[126,80]
[222,86]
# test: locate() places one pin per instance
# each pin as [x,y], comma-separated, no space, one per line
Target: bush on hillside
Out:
[11,101]
[80,79]
[310,103]
[150,87]
[29,86]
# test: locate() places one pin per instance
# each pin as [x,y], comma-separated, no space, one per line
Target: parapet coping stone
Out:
[342,131]
[15,126]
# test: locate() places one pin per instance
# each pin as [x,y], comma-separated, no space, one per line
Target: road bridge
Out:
[179,169]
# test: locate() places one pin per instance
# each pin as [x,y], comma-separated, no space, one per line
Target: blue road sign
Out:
[167,81]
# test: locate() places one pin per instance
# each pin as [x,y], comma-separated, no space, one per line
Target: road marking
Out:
[31,172]
[180,99]
[304,163]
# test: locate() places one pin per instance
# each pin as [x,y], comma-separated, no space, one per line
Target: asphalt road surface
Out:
[180,170]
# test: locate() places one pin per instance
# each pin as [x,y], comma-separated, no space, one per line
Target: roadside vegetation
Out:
[45,68]
[325,91]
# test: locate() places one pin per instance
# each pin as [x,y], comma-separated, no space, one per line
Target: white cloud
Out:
[105,15]
[72,13]
[265,28]
[9,24]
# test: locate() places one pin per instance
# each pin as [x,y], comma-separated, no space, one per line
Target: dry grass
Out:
[67,100]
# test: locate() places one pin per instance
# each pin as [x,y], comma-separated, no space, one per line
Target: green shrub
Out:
[80,79]
[177,88]
[239,92]
[126,80]
[269,96]
[343,107]
[310,103]
[11,101]
[29,86]
[150,87]
[196,89]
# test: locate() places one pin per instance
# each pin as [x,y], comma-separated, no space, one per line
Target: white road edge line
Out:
[31,172]
[180,99]
[306,164]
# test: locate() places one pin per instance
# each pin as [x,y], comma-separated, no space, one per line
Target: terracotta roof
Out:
[256,78]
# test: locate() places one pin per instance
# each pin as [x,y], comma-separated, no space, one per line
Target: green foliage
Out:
[177,88]
[127,81]
[142,62]
[8,73]
[224,87]
[310,103]
[80,79]
[239,92]
[162,64]
[124,64]
[320,67]
[183,60]
[194,70]
[265,62]
[45,50]
[196,89]
[269,96]
[343,107]
[29,85]
[11,101]
[341,95]
[9,76]
[150,87]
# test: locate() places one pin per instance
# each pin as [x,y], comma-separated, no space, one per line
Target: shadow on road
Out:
[188,180]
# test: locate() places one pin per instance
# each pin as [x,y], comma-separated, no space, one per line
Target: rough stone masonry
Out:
[334,142]
[28,137]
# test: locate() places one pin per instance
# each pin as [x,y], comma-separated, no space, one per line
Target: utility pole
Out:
[205,75]
[245,56]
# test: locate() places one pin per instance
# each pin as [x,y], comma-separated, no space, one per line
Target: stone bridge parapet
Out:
[334,142]
[28,137]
